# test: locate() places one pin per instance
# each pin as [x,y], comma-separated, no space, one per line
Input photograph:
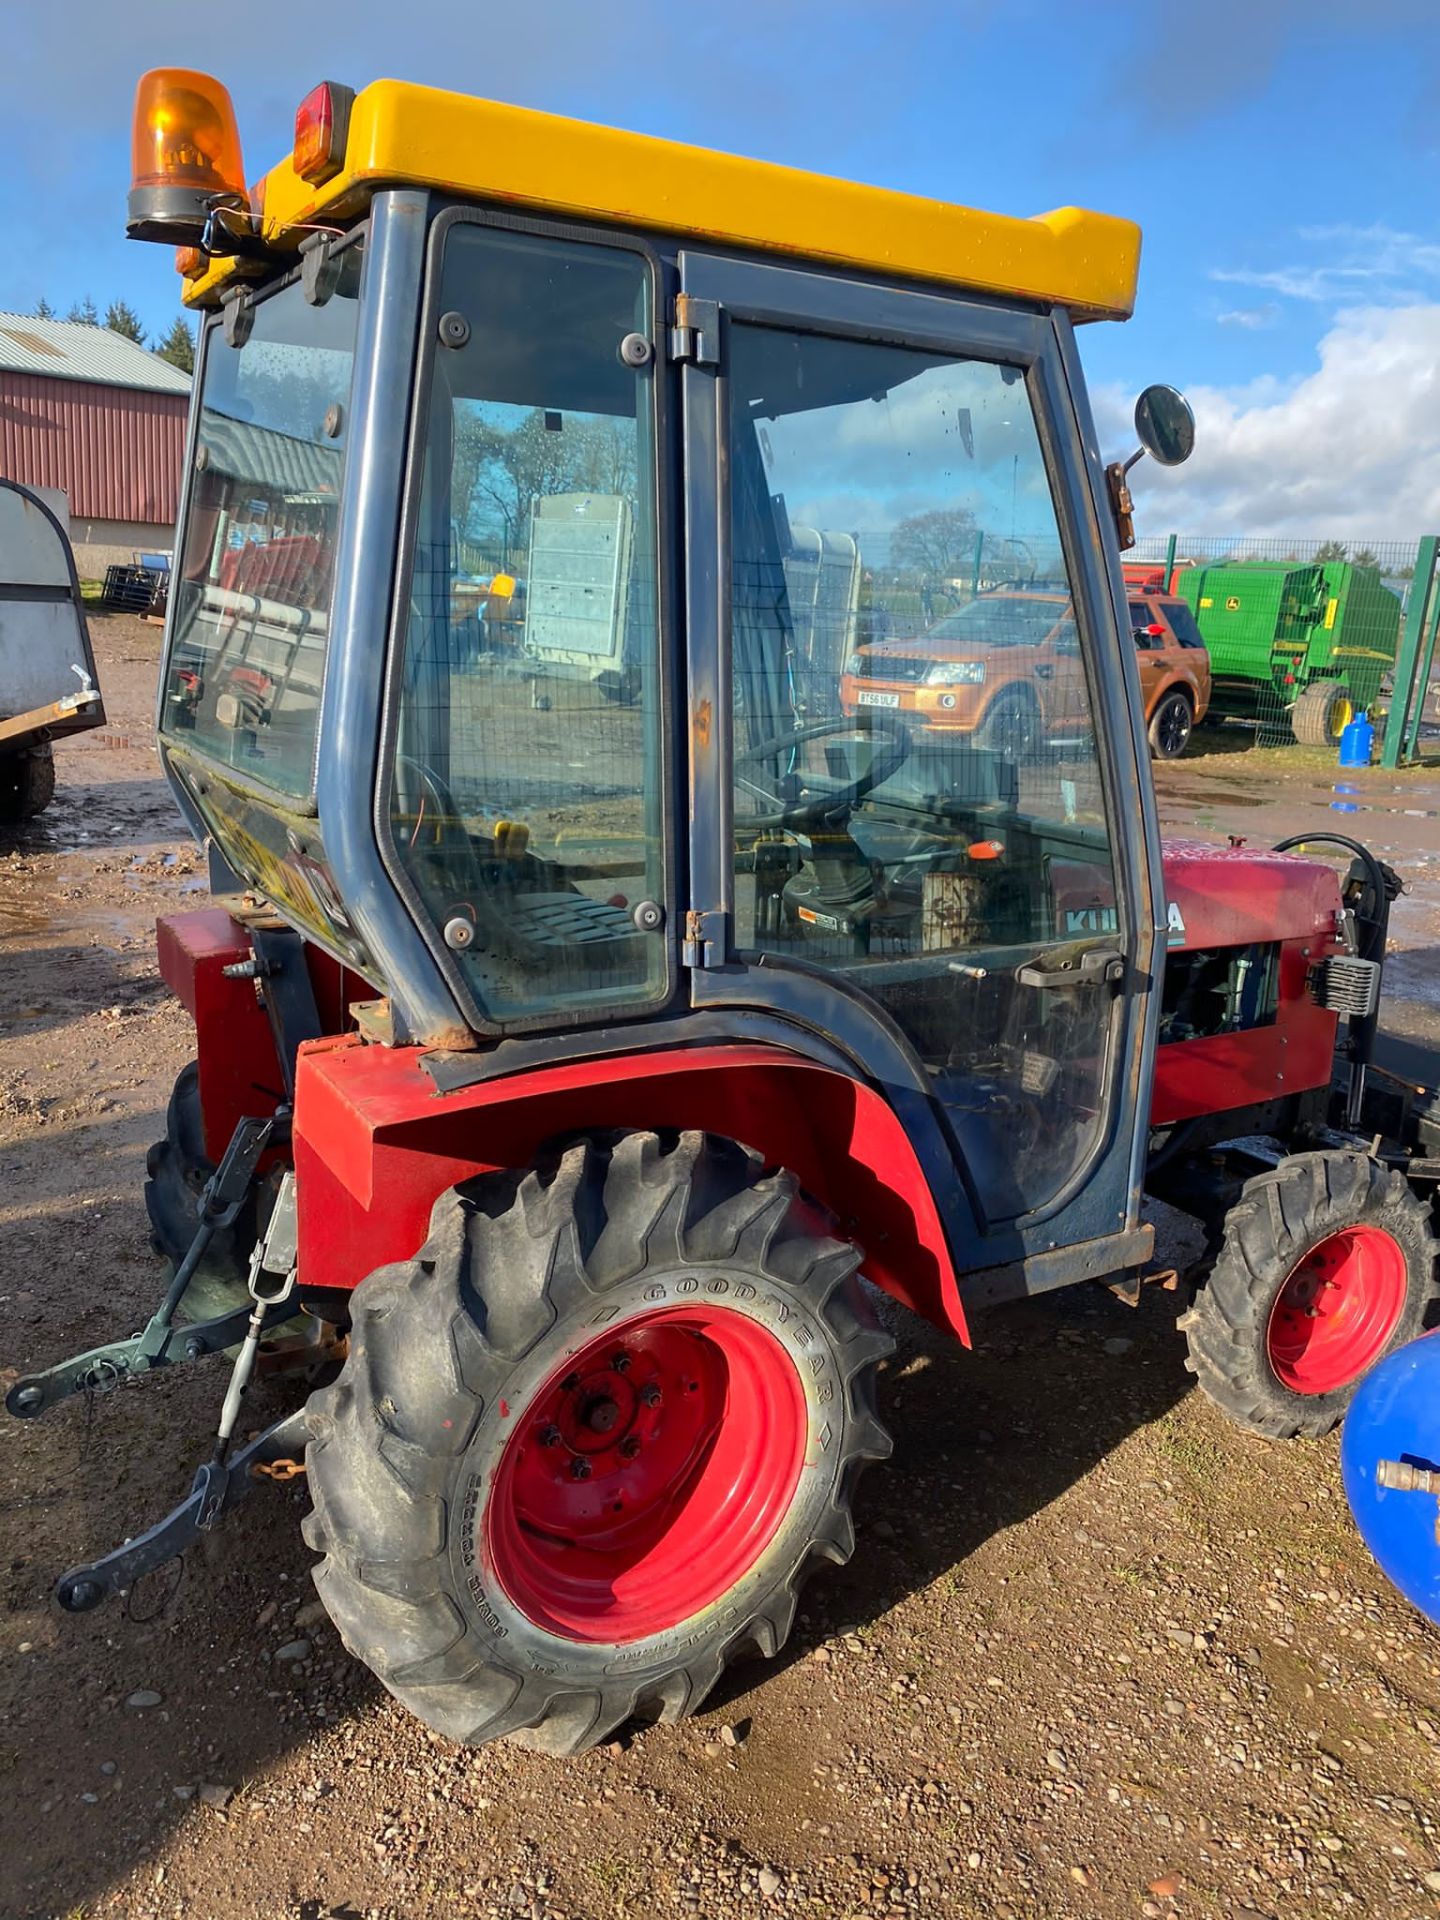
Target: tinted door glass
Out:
[917,797]
[1142,617]
[1182,624]
[526,779]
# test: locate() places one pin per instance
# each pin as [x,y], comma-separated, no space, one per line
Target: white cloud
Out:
[1351,449]
[1375,263]
[1253,319]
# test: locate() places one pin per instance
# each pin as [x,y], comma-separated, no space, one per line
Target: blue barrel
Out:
[1390,1459]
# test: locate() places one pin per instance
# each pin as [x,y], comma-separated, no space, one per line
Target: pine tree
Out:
[123,319]
[43,309]
[83,313]
[178,346]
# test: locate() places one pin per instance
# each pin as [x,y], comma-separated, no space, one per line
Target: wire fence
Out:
[1394,560]
[1303,634]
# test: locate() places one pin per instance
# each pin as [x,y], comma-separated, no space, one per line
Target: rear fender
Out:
[240,1072]
[376,1144]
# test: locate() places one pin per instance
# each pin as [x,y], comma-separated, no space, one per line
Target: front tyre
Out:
[1327,1264]
[588,1444]
[1011,728]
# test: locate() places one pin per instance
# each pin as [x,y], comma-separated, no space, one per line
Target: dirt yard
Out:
[1100,1654]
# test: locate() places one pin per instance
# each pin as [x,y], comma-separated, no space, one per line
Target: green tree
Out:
[1364,557]
[1332,550]
[939,544]
[83,313]
[496,473]
[603,456]
[124,320]
[43,309]
[178,346]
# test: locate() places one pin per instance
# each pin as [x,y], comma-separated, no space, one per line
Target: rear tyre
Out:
[27,784]
[1322,713]
[1327,1264]
[1171,725]
[178,1168]
[590,1441]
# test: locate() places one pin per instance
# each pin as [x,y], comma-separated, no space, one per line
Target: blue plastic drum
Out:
[1390,1458]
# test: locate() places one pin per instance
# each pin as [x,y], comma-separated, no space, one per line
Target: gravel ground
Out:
[1100,1655]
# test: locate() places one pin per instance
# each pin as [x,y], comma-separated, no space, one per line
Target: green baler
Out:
[1306,644]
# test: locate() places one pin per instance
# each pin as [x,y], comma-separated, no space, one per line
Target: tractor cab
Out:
[726,448]
[649,657]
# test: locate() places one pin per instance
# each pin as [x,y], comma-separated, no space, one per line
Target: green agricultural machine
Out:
[1298,646]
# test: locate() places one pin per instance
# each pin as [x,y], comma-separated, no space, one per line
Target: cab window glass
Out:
[526,775]
[251,621]
[918,802]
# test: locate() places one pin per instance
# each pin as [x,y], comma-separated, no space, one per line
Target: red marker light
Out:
[322,122]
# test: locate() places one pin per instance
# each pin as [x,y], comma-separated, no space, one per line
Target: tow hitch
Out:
[219,1484]
[225,1478]
[161,1343]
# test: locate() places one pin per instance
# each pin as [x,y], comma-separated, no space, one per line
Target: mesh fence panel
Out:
[1302,634]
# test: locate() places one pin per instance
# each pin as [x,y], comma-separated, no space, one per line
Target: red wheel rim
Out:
[648,1475]
[1337,1310]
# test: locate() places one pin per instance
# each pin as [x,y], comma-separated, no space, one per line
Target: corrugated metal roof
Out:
[69,350]
[263,457]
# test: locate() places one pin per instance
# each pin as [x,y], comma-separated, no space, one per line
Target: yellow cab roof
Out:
[513,157]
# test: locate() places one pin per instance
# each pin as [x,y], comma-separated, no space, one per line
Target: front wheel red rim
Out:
[1337,1310]
[647,1476]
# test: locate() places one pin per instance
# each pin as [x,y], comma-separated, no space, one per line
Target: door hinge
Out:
[695,335]
[704,942]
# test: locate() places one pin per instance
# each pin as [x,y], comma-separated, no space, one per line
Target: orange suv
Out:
[1006,669]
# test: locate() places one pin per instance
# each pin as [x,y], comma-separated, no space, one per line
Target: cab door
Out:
[963,912]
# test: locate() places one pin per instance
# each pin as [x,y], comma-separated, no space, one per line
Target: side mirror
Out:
[1166,430]
[1165,426]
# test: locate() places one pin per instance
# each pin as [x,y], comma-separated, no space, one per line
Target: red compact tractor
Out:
[592,1016]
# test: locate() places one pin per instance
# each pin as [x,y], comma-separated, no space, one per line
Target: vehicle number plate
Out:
[866,699]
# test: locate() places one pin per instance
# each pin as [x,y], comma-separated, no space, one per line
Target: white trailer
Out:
[47,670]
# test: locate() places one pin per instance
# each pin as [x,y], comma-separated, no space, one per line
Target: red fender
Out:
[376,1145]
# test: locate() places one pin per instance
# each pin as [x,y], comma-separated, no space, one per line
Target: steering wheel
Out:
[821,796]
[435,805]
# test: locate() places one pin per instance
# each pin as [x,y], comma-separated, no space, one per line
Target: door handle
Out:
[1098,966]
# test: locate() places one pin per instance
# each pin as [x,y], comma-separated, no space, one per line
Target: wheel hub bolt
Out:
[621,1363]
[550,1436]
[630,1446]
[650,1395]
[580,1469]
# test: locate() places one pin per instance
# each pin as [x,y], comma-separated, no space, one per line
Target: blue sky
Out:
[1282,156]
